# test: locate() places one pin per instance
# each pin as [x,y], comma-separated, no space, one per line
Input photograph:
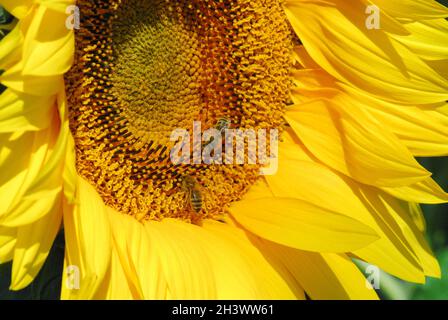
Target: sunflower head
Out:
[86,124]
[145,68]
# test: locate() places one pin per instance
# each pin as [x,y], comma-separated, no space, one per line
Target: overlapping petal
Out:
[88,241]
[48,44]
[29,254]
[301,177]
[302,225]
[422,129]
[413,9]
[18,8]
[8,239]
[21,112]
[172,259]
[347,140]
[322,275]
[335,35]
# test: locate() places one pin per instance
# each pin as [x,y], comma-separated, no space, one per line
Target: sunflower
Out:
[86,115]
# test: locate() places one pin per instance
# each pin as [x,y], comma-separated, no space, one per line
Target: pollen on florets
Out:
[144,68]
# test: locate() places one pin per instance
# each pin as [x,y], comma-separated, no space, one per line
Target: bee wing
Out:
[200,187]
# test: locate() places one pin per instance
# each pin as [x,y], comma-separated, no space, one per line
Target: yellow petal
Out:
[441,66]
[58,5]
[416,213]
[403,215]
[18,8]
[428,39]
[242,271]
[42,184]
[361,57]
[34,242]
[387,213]
[323,276]
[14,78]
[423,129]
[259,190]
[19,172]
[69,173]
[9,45]
[114,285]
[399,215]
[344,138]
[21,112]
[185,265]
[427,191]
[10,144]
[48,50]
[8,239]
[88,240]
[302,225]
[176,260]
[301,177]
[31,208]
[138,257]
[413,9]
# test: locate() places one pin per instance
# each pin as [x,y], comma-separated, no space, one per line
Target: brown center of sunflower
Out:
[144,68]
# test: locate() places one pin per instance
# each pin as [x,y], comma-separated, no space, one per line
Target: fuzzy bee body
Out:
[221,125]
[194,196]
[196,200]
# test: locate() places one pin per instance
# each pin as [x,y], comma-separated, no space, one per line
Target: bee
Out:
[194,196]
[221,125]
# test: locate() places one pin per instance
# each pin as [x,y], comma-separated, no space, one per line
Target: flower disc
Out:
[145,68]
